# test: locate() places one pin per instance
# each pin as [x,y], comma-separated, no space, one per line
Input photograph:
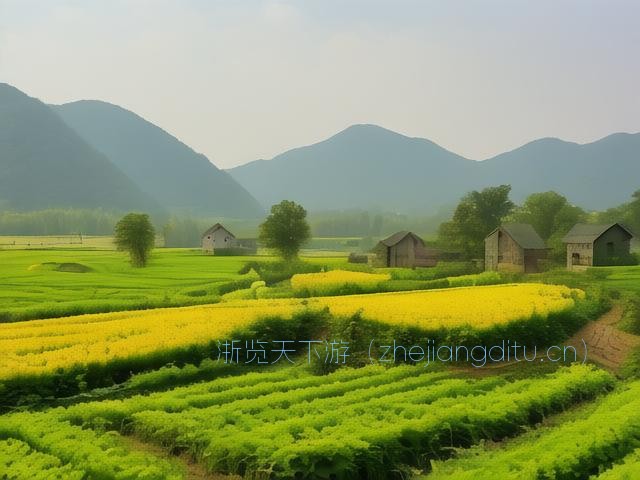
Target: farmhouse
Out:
[217,237]
[404,249]
[515,247]
[597,245]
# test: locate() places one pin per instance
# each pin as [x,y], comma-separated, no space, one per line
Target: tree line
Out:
[550,214]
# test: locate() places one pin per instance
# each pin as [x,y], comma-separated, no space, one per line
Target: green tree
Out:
[549,213]
[552,216]
[285,229]
[476,215]
[135,234]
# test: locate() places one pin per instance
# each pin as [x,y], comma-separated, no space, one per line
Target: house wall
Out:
[380,258]
[221,238]
[503,253]
[408,253]
[585,255]
[491,251]
[531,257]
[621,246]
[403,253]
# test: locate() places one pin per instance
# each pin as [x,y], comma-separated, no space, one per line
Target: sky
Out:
[240,80]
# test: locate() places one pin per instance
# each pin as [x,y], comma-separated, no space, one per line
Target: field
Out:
[141,390]
[24,242]
[51,282]
[366,423]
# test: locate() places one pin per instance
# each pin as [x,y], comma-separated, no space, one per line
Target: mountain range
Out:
[44,163]
[161,165]
[367,166]
[90,154]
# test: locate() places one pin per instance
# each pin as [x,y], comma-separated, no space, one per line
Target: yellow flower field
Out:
[327,282]
[41,346]
[480,307]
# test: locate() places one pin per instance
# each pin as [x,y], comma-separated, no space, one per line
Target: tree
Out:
[135,234]
[285,229]
[475,216]
[552,216]
[549,213]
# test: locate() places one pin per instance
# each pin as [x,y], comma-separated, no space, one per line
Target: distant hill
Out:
[45,164]
[178,177]
[366,166]
[363,166]
[595,175]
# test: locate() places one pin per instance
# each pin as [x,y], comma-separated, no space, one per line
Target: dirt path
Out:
[606,344]
[193,470]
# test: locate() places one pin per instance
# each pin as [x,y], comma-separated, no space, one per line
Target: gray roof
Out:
[588,233]
[215,227]
[524,235]
[398,237]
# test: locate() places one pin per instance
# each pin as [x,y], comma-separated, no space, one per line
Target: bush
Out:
[235,285]
[441,270]
[484,278]
[274,272]
[631,367]
[631,320]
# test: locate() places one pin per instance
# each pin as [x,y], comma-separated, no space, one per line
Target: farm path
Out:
[193,470]
[606,344]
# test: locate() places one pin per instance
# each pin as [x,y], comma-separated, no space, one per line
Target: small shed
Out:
[515,247]
[597,245]
[404,249]
[217,237]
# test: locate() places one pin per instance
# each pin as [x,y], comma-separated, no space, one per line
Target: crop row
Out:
[248,391]
[574,449]
[22,462]
[349,426]
[61,357]
[629,469]
[37,440]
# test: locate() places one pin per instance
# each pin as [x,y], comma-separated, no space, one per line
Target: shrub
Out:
[441,270]
[274,272]
[631,320]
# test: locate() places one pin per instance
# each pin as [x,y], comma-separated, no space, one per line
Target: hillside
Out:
[361,167]
[366,166]
[178,177]
[45,164]
[595,175]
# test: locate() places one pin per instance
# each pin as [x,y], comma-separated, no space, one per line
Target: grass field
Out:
[182,415]
[26,242]
[54,282]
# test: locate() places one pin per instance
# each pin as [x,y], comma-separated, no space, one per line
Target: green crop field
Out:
[134,395]
[54,282]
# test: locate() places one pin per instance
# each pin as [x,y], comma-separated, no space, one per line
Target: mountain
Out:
[366,166]
[167,169]
[595,175]
[44,163]
[363,166]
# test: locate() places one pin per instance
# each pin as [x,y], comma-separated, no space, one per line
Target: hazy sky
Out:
[244,79]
